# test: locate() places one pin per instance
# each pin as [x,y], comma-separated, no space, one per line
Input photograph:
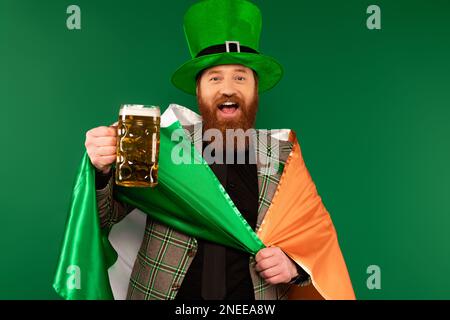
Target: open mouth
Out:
[228,107]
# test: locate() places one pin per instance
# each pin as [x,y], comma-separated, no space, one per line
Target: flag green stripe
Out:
[188,198]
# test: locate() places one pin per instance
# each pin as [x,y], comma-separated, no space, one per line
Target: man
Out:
[226,73]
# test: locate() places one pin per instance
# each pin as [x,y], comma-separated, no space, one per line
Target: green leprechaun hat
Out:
[225,32]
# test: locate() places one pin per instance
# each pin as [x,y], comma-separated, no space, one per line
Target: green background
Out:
[371,109]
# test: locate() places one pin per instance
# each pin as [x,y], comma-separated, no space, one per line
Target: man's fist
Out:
[101,147]
[275,266]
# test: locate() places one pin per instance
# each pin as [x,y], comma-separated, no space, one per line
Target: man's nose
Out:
[228,89]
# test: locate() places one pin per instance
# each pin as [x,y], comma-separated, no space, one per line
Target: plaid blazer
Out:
[166,254]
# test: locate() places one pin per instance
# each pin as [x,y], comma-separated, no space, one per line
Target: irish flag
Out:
[96,263]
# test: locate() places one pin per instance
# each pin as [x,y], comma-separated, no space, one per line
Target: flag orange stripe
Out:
[298,223]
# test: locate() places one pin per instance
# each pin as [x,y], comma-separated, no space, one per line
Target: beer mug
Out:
[138,146]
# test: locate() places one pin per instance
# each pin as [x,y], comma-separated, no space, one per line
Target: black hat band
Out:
[229,46]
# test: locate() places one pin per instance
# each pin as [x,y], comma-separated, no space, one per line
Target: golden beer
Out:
[138,146]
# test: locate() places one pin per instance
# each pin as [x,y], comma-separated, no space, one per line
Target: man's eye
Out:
[240,78]
[214,79]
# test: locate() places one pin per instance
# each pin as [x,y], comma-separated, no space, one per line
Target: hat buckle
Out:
[237,43]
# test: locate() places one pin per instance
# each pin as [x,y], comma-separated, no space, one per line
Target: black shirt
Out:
[241,183]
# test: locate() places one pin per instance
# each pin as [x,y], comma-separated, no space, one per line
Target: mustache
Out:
[233,99]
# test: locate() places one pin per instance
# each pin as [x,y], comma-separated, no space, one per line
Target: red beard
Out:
[245,120]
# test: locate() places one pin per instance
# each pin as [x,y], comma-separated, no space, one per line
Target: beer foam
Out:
[139,110]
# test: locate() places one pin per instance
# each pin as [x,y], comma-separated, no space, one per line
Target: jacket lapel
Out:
[271,156]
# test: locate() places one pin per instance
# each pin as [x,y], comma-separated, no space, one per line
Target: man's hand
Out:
[101,147]
[275,266]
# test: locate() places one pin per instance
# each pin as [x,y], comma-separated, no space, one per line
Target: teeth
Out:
[228,104]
